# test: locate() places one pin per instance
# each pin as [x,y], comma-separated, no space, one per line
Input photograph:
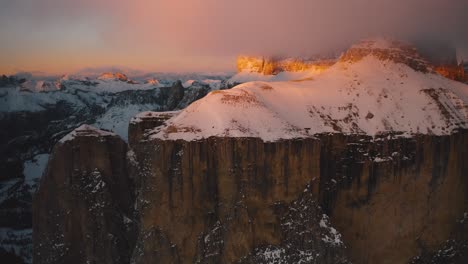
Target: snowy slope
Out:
[367,96]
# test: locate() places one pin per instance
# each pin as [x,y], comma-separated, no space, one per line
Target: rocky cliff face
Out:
[229,186]
[83,208]
[272,66]
[395,195]
[146,122]
[225,200]
[327,199]
[452,71]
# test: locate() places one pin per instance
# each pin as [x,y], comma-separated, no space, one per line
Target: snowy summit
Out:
[377,86]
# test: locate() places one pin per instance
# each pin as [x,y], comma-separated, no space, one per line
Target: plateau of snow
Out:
[370,96]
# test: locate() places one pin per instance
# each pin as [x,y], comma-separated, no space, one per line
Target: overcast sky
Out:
[60,36]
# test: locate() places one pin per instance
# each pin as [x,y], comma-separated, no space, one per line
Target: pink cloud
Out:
[200,34]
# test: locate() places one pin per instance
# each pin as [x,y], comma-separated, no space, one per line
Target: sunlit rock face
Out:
[444,58]
[272,66]
[113,76]
[442,62]
[83,209]
[152,81]
[439,59]
[452,71]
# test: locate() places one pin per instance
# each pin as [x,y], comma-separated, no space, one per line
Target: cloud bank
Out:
[190,35]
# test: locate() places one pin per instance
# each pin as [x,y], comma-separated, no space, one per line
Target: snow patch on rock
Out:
[86,131]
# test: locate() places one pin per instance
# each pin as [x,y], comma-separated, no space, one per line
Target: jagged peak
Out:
[387,50]
[86,131]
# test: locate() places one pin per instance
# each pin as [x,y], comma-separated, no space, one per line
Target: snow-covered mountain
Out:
[376,87]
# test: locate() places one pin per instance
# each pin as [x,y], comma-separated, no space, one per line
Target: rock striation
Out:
[328,199]
[224,200]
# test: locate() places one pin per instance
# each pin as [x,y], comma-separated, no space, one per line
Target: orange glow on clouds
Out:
[60,36]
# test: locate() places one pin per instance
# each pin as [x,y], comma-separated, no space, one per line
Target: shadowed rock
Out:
[83,209]
[223,200]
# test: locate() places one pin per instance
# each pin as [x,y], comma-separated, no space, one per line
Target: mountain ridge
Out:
[376,87]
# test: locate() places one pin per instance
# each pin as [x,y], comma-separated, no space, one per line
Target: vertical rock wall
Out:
[82,212]
[391,198]
[187,188]
[395,199]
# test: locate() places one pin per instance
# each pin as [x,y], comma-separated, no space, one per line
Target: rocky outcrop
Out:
[452,71]
[197,91]
[145,122]
[113,76]
[444,58]
[176,93]
[440,58]
[391,50]
[83,209]
[272,66]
